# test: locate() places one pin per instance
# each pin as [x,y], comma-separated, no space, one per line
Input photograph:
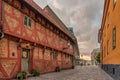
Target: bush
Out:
[19,75]
[35,73]
[22,75]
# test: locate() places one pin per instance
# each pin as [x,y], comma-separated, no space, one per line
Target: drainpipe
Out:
[2,27]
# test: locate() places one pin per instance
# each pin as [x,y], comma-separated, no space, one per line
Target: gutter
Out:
[2,29]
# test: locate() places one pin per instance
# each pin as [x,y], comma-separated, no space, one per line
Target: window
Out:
[27,21]
[60,39]
[54,55]
[114,3]
[104,31]
[104,51]
[114,38]
[108,18]
[108,47]
[68,43]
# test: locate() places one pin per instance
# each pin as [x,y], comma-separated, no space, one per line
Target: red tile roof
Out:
[50,13]
[36,7]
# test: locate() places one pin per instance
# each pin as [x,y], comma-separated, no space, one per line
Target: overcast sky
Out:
[84,16]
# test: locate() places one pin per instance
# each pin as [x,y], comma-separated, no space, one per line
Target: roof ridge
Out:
[40,10]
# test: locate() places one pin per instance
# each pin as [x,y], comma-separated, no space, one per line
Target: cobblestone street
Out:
[79,73]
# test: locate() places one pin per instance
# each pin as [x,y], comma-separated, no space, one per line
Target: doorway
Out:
[25,61]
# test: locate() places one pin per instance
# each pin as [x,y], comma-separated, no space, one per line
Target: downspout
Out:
[2,27]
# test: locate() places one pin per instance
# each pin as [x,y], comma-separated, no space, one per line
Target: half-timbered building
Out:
[30,40]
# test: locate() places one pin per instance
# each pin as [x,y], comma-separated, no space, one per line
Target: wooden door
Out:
[25,63]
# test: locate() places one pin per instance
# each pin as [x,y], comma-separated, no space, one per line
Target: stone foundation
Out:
[112,70]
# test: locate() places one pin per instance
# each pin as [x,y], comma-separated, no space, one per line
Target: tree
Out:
[98,58]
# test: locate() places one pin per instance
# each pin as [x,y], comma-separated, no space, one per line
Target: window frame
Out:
[60,39]
[28,21]
[25,21]
[54,55]
[114,38]
[108,47]
[114,3]
[104,31]
[108,19]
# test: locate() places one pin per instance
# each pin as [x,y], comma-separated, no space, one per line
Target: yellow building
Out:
[85,59]
[110,39]
[94,55]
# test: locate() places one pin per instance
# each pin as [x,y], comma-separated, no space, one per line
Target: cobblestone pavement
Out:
[79,73]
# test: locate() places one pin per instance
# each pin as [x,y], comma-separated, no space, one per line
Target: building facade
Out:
[109,38]
[85,59]
[51,13]
[32,40]
[94,55]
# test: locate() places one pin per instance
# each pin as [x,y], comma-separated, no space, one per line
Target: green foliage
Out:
[19,75]
[98,58]
[35,73]
[77,58]
[22,75]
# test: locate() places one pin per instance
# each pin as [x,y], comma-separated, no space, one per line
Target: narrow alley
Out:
[79,73]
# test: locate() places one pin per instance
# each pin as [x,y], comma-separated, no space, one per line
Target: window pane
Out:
[29,23]
[114,1]
[25,20]
[108,18]
[54,55]
[114,38]
[60,39]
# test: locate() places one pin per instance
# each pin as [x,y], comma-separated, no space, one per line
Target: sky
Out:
[84,16]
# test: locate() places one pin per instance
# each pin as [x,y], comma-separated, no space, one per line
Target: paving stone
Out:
[79,73]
